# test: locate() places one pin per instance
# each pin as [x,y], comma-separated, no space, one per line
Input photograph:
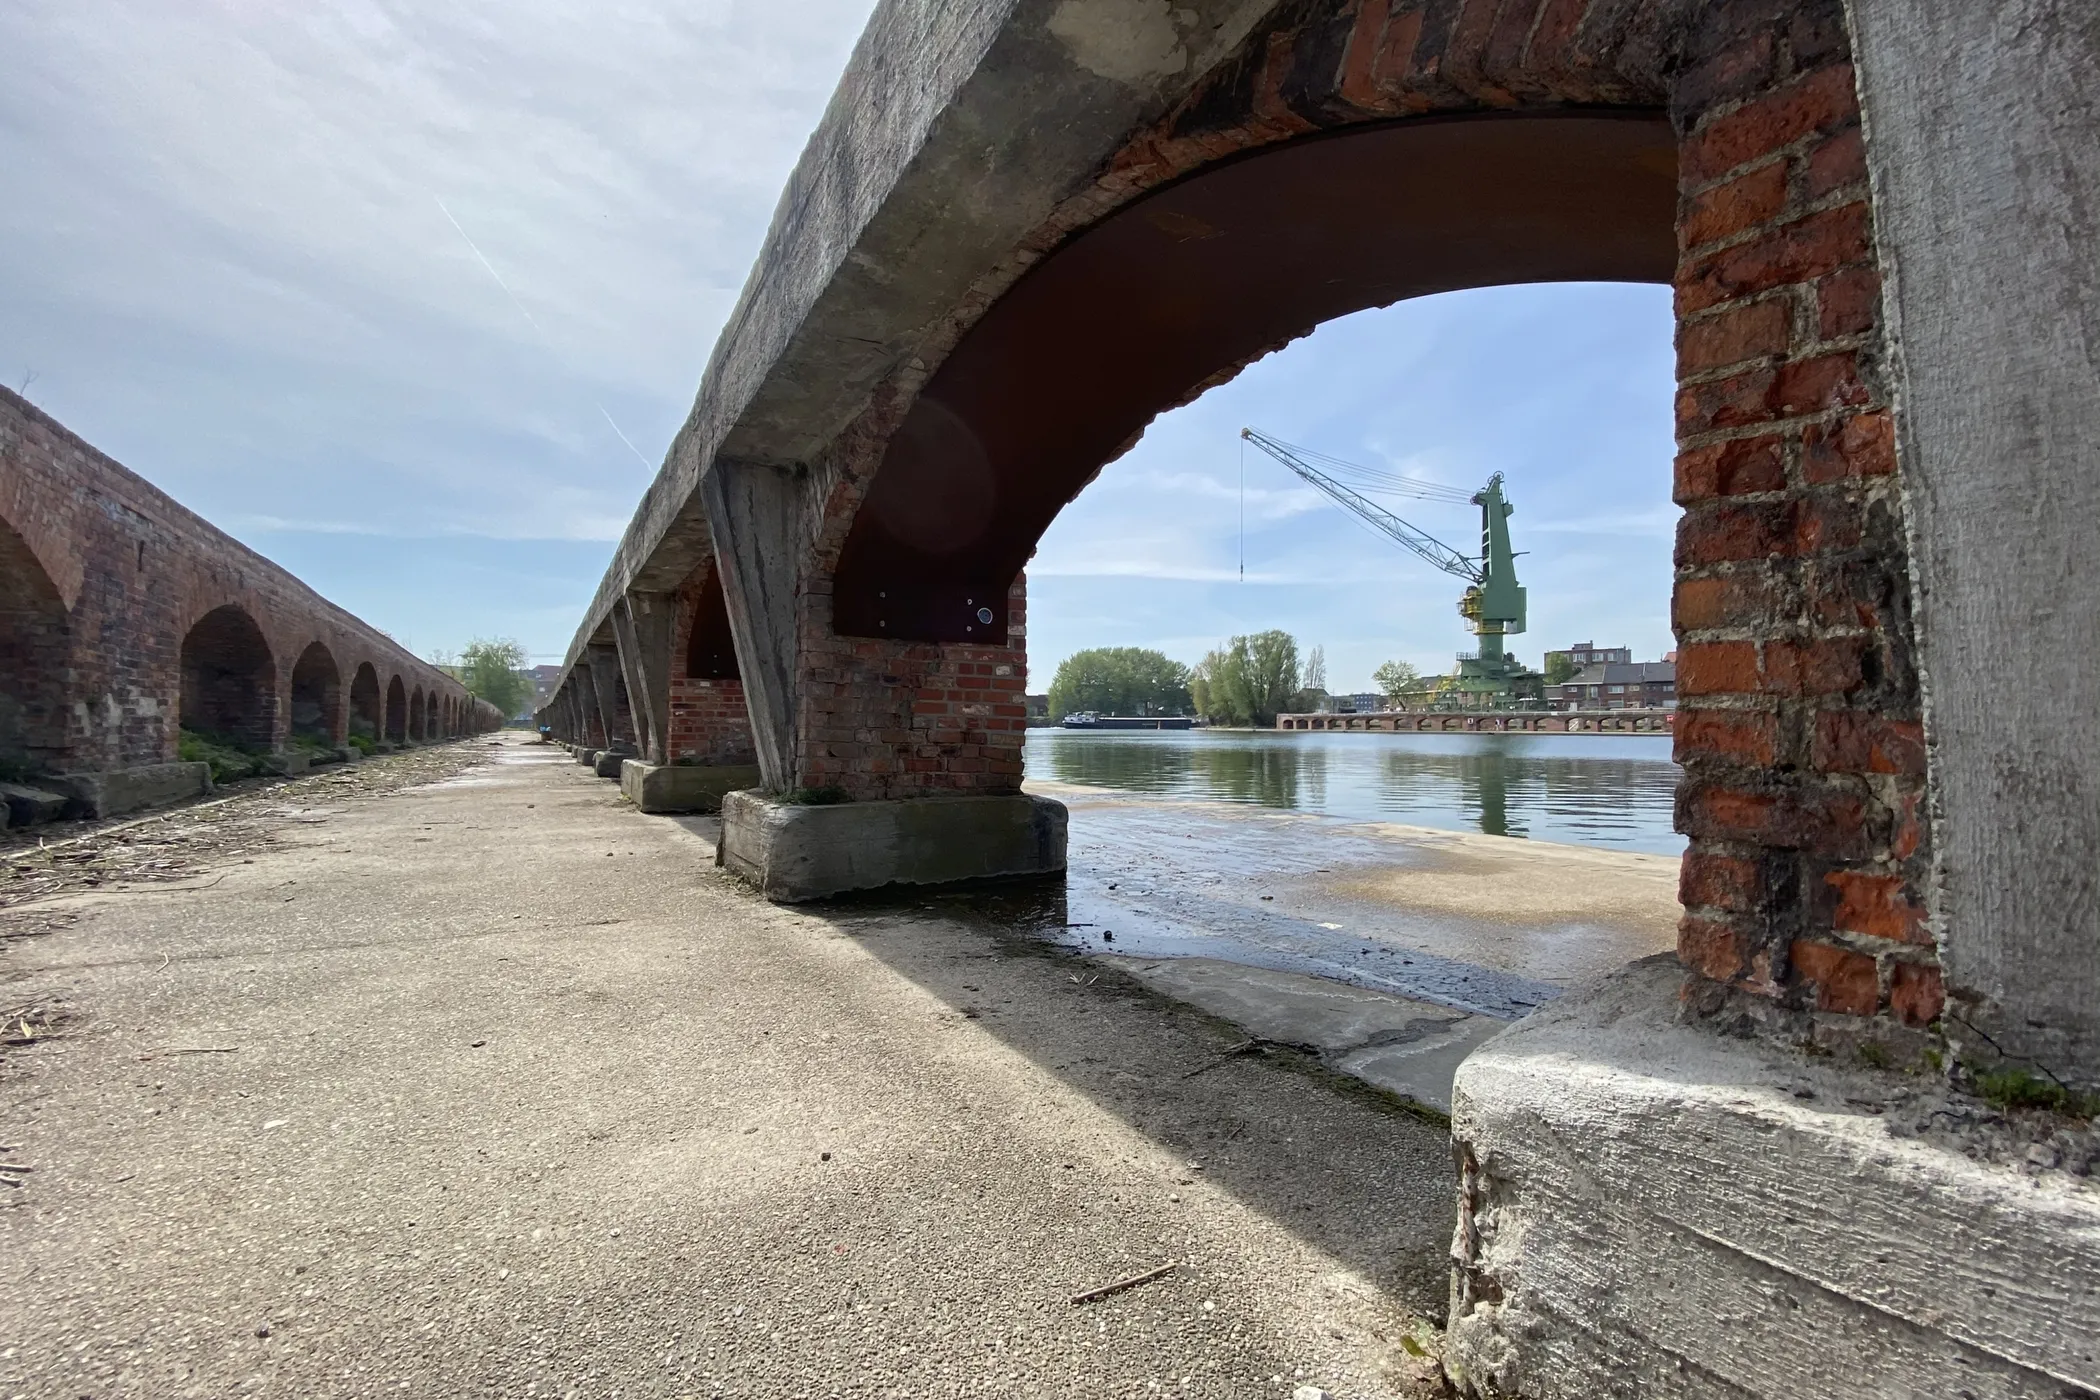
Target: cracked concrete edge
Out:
[1635,1192]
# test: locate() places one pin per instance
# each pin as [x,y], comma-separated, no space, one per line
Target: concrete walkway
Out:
[494,1087]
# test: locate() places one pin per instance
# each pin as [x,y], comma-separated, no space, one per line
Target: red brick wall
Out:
[907,719]
[709,719]
[1799,728]
[1799,723]
[134,572]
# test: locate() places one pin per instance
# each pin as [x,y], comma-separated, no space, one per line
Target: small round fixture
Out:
[984,615]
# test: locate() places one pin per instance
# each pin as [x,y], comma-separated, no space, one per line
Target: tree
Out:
[1120,681]
[1316,669]
[1396,678]
[1559,667]
[1248,680]
[494,670]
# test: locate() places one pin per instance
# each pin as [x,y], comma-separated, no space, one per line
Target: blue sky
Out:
[253,252]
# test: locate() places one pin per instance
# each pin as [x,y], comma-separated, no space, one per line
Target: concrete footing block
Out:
[793,852]
[120,790]
[1635,1193]
[608,764]
[31,805]
[678,787]
[588,758]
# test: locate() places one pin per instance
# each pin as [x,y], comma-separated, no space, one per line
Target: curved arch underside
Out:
[1065,370]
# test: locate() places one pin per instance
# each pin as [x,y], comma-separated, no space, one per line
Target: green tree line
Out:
[1248,681]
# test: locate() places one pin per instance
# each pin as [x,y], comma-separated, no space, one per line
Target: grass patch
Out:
[230,762]
[2016,1086]
[364,744]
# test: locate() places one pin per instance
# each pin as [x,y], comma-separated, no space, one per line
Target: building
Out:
[1363,702]
[1584,655]
[1621,685]
[544,680]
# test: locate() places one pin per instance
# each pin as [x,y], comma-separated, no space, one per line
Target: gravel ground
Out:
[492,1086]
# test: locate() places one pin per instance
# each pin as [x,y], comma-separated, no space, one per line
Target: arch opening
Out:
[35,645]
[229,682]
[396,711]
[367,715]
[418,728]
[317,696]
[710,653]
[1182,288]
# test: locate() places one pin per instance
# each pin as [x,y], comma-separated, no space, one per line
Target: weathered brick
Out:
[1717,668]
[1712,948]
[1711,881]
[1838,161]
[1821,101]
[1848,302]
[1862,445]
[1741,204]
[1722,532]
[1819,384]
[1815,668]
[1845,981]
[1748,331]
[1801,251]
[1733,467]
[1916,993]
[1733,402]
[1865,741]
[1876,906]
[1745,737]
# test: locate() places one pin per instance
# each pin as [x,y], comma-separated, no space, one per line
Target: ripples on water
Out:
[1588,790]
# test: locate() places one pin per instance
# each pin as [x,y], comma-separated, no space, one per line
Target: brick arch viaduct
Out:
[129,619]
[1022,231]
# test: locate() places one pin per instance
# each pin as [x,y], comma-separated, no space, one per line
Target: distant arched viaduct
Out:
[126,619]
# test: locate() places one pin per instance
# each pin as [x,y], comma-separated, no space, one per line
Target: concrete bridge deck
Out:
[495,1117]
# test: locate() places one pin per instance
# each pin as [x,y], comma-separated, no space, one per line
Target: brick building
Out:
[1584,655]
[1620,685]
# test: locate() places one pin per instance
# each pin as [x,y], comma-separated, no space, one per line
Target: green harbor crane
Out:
[1493,602]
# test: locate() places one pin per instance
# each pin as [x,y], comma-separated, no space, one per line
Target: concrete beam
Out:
[613,713]
[757,512]
[591,722]
[956,129]
[1984,152]
[652,615]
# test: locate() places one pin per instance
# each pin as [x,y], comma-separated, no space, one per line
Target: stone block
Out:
[607,764]
[683,787]
[291,762]
[793,852]
[120,790]
[588,758]
[31,806]
[1635,1192]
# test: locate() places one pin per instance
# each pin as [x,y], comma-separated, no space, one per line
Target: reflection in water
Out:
[1593,790]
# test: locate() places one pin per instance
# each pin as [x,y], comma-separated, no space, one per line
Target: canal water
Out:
[1613,791]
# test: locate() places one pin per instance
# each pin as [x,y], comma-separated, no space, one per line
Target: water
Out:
[1613,791]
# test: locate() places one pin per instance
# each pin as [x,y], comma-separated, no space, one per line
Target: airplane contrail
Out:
[546,341]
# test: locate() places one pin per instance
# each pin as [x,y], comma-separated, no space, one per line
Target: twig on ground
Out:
[1229,1052]
[1095,1295]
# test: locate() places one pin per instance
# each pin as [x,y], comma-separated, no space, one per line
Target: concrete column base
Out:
[607,764]
[793,852]
[120,790]
[1650,1209]
[683,787]
[588,757]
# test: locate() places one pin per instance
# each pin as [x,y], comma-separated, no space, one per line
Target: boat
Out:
[1087,719]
